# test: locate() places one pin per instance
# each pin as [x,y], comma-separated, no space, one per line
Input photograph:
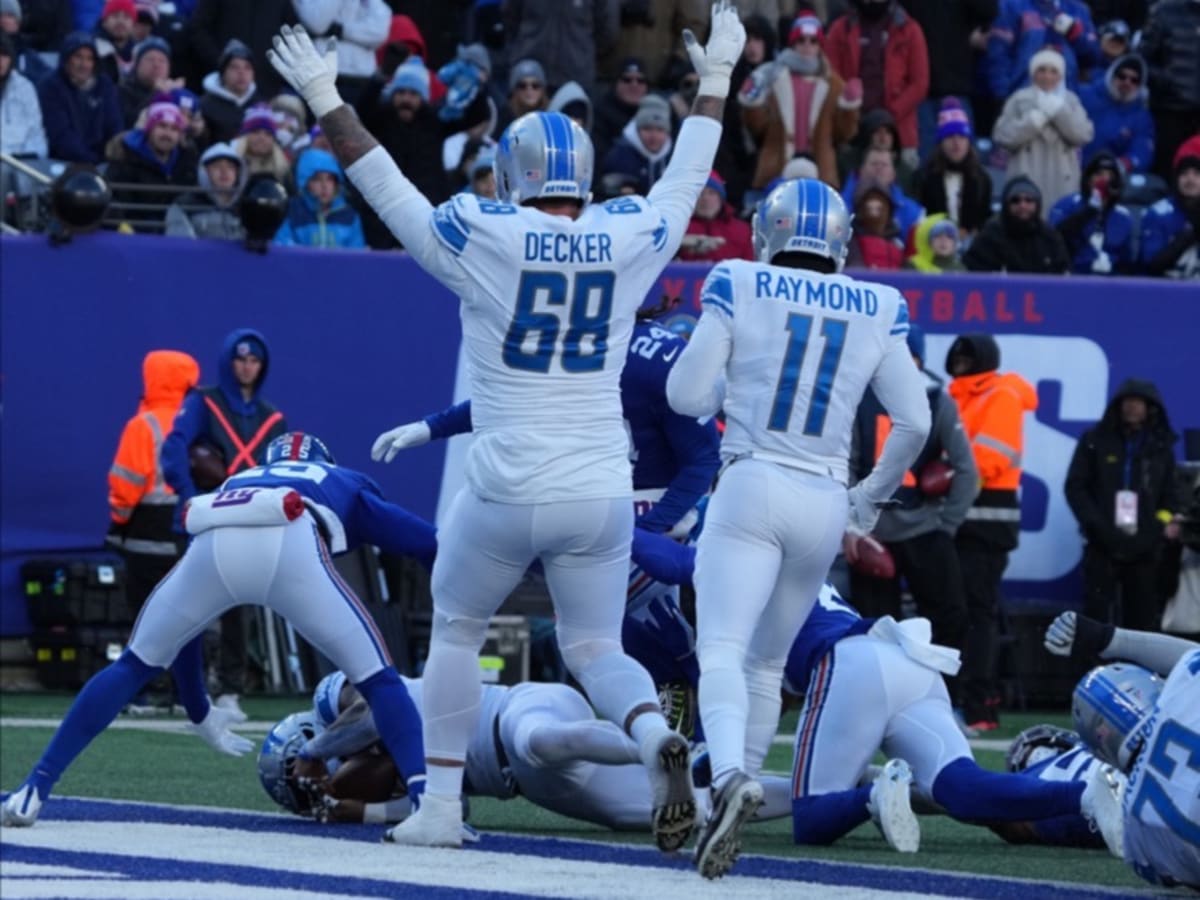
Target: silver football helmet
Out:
[326,697]
[1036,744]
[544,155]
[1108,707]
[277,760]
[803,215]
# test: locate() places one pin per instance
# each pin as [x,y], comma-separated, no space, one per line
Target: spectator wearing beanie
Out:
[714,232]
[526,92]
[1098,231]
[953,180]
[259,150]
[149,75]
[25,57]
[1043,127]
[644,146]
[1117,106]
[80,106]
[1016,239]
[151,157]
[21,130]
[254,23]
[883,46]
[114,38]
[1171,228]
[230,91]
[936,243]
[1114,43]
[876,131]
[212,210]
[799,104]
[619,105]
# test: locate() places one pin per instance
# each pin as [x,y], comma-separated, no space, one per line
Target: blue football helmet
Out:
[805,216]
[1038,743]
[326,696]
[544,155]
[1108,707]
[277,760]
[296,446]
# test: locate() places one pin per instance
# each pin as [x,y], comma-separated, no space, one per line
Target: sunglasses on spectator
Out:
[1019,199]
[529,83]
[1130,77]
[632,79]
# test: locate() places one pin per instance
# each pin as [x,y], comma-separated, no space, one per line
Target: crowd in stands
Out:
[1044,136]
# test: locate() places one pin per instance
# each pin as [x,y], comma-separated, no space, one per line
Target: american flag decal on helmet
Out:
[783,222]
[533,174]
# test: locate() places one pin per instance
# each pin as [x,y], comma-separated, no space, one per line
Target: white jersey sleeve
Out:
[802,349]
[1162,800]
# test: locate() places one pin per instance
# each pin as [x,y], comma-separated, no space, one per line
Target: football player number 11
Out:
[543,300]
[799,328]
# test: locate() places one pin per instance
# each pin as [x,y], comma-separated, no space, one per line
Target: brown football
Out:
[874,559]
[936,478]
[207,466]
[369,777]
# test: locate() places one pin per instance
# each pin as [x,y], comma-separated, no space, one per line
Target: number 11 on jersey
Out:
[799,327]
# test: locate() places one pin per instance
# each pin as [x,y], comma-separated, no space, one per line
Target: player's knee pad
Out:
[715,655]
[763,676]
[463,631]
[578,655]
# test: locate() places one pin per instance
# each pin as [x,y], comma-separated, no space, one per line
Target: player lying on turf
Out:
[869,684]
[539,741]
[1149,813]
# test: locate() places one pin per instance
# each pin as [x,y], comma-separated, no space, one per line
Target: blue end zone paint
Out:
[881,878]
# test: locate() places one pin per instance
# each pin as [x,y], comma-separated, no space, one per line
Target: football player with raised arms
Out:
[265,538]
[786,346]
[549,286]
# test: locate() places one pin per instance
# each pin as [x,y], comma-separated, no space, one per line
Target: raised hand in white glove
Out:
[311,74]
[1078,637]
[714,62]
[214,731]
[863,512]
[388,444]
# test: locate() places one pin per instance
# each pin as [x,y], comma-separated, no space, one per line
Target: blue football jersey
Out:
[831,619]
[1076,765]
[349,506]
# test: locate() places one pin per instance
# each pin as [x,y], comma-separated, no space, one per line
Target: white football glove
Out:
[309,73]
[214,731]
[714,63]
[1060,635]
[863,512]
[388,444]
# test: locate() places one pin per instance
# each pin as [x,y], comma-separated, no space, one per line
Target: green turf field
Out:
[180,769]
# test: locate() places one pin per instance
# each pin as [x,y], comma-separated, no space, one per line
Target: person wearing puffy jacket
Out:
[1097,229]
[319,215]
[1116,104]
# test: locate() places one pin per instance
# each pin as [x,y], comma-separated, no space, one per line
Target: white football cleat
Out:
[674,813]
[891,807]
[1101,805]
[720,842]
[436,823]
[21,807]
[229,702]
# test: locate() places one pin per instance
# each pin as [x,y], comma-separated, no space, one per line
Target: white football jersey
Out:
[1162,799]
[804,347]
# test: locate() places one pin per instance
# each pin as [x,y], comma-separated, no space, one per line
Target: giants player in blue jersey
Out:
[549,285]
[867,684]
[786,346]
[265,538]
[1148,810]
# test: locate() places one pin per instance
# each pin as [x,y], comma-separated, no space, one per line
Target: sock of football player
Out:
[723,702]
[451,686]
[763,683]
[617,685]
[399,725]
[388,811]
[971,793]
[102,698]
[777,797]
[823,818]
[188,673]
[549,743]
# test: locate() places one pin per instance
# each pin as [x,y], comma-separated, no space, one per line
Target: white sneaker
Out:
[674,813]
[436,823]
[230,702]
[891,807]
[721,842]
[1101,805]
[21,807]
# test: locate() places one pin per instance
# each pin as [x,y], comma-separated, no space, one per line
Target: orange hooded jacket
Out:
[136,477]
[992,406]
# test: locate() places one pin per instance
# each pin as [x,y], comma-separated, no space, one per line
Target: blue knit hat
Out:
[952,119]
[411,75]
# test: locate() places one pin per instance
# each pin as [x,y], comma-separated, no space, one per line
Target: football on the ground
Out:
[207,466]
[369,777]
[936,478]
[872,558]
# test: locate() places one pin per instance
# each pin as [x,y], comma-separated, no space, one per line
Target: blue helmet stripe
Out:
[559,148]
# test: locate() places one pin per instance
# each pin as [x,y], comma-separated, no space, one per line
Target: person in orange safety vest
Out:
[992,406]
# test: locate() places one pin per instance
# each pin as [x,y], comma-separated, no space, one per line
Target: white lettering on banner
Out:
[1081,368]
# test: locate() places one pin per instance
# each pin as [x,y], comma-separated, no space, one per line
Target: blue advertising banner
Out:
[360,342]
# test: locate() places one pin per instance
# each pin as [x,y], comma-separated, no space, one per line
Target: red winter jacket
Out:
[738,243]
[905,65]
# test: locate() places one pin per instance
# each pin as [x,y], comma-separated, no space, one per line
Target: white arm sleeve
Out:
[900,388]
[675,194]
[406,213]
[696,383]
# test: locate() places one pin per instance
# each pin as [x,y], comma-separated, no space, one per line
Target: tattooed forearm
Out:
[349,138]
[713,107]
